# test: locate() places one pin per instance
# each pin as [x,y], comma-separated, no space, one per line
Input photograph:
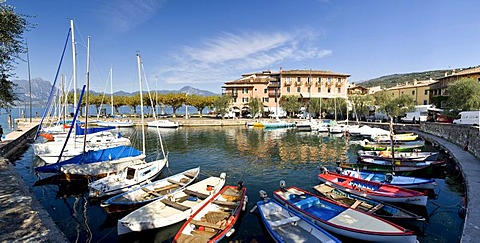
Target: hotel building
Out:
[271,86]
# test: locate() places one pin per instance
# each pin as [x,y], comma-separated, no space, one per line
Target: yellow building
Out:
[438,91]
[418,90]
[271,86]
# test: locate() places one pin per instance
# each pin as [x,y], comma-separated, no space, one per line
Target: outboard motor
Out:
[263,195]
[240,185]
[283,185]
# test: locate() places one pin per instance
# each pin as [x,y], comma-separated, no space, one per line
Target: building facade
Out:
[271,86]
[418,90]
[438,91]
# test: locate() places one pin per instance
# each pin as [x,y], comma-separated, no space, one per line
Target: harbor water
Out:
[258,157]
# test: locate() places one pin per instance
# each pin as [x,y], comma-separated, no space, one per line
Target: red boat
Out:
[374,190]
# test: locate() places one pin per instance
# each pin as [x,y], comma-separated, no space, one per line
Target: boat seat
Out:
[207,224]
[284,221]
[151,192]
[225,203]
[374,209]
[176,182]
[356,204]
[306,203]
[174,205]
[197,194]
[191,175]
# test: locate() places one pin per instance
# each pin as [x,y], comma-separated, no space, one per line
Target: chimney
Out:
[280,69]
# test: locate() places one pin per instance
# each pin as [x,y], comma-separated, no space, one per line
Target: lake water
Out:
[258,157]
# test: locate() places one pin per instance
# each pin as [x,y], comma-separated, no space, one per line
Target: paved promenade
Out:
[470,167]
[22,218]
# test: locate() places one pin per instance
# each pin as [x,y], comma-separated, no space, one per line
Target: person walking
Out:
[1,133]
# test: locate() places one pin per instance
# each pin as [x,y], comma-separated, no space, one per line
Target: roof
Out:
[313,72]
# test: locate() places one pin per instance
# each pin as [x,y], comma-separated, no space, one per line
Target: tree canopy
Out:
[12,27]
[464,95]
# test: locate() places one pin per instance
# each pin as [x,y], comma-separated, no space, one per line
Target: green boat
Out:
[407,146]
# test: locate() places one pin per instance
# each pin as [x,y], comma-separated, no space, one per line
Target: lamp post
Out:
[186,106]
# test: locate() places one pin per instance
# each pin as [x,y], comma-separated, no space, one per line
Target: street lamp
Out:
[186,106]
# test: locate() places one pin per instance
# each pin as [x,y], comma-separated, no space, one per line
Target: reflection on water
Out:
[259,157]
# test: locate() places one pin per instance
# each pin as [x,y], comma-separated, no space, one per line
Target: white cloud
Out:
[227,56]
[123,15]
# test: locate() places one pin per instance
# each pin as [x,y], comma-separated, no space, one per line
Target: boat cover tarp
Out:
[92,156]
[81,131]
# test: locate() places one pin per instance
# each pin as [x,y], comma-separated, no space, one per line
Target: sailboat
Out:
[114,123]
[108,167]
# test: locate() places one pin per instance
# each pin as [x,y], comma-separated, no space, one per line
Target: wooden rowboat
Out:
[340,219]
[374,190]
[285,225]
[150,192]
[215,220]
[175,208]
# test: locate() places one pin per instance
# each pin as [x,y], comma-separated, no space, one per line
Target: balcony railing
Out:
[272,94]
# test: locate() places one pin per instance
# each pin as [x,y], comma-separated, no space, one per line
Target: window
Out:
[339,80]
[329,81]
[426,92]
[308,79]
[309,89]
[264,91]
[265,99]
[319,89]
[339,90]
[245,100]
[425,102]
[299,79]
[328,90]
[235,100]
[413,92]
[245,91]
[287,79]
[402,92]
[319,80]
[288,89]
[298,90]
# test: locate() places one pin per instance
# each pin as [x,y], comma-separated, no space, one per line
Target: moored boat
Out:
[340,219]
[285,225]
[412,156]
[367,205]
[388,178]
[374,190]
[150,192]
[129,178]
[397,146]
[175,208]
[216,219]
[163,124]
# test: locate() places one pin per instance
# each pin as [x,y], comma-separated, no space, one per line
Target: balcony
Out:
[298,83]
[288,83]
[272,94]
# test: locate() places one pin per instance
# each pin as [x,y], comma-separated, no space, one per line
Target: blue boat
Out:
[92,156]
[284,225]
[340,219]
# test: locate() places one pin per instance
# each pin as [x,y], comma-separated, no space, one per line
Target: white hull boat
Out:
[176,208]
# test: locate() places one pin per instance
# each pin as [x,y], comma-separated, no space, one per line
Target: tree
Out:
[12,27]
[393,107]
[290,103]
[222,103]
[360,104]
[463,95]
[256,107]
[175,100]
[200,102]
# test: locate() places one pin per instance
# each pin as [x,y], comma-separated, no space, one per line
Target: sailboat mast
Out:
[141,102]
[111,89]
[86,97]
[74,63]
[29,82]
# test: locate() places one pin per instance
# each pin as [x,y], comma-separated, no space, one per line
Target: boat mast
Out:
[74,63]
[111,90]
[29,82]
[86,96]
[141,102]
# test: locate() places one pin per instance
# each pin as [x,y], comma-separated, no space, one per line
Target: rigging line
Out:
[54,82]
[153,111]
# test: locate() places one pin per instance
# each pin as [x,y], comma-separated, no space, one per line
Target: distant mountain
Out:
[41,90]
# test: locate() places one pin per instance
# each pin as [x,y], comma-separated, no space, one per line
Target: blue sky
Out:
[207,43]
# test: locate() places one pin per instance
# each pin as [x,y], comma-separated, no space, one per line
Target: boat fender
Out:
[283,185]
[245,202]
[230,232]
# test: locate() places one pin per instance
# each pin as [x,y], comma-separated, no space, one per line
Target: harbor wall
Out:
[466,137]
